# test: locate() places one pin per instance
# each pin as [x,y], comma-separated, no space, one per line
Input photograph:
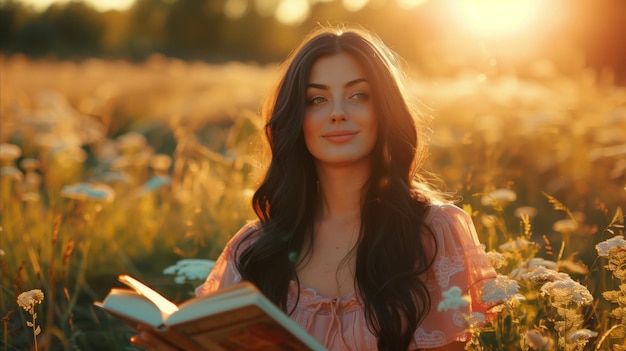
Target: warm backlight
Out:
[496,17]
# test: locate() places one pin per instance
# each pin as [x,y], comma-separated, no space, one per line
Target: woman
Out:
[351,243]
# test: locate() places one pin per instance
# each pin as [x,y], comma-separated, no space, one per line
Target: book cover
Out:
[237,318]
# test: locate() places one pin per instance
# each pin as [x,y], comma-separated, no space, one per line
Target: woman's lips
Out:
[340,136]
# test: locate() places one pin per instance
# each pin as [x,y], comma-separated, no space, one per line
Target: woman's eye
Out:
[317,100]
[360,96]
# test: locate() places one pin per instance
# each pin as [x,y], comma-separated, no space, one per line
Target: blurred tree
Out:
[70,30]
[146,32]
[255,37]
[13,17]
[36,38]
[115,35]
[194,29]
[80,29]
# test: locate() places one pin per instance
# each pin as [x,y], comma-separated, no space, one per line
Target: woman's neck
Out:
[342,190]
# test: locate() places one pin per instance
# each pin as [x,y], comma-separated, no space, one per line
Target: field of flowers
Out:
[111,168]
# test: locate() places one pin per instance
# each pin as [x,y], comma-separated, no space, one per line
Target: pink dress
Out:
[339,324]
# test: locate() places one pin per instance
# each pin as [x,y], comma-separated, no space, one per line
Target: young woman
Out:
[350,240]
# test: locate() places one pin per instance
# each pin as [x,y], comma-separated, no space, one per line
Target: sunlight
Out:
[496,17]
[235,9]
[292,12]
[354,5]
[410,4]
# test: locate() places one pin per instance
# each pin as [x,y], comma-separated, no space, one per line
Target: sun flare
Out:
[496,17]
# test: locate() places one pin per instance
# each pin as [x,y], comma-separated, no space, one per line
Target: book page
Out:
[222,300]
[131,307]
[166,307]
[232,293]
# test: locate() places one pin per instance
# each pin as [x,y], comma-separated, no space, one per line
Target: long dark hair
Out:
[391,261]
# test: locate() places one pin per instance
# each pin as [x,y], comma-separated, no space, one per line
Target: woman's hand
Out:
[150,341]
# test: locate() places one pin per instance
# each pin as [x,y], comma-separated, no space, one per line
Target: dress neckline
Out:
[310,297]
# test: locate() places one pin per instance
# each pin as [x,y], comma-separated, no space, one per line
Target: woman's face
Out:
[340,126]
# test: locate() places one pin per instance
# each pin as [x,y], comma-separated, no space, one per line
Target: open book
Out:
[235,318]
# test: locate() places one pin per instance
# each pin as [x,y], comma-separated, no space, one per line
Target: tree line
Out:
[202,30]
[188,29]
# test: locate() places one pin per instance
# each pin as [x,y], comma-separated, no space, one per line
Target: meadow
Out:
[110,167]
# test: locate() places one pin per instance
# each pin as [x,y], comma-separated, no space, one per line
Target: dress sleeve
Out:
[224,273]
[460,262]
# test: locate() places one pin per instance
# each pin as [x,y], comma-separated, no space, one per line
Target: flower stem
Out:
[607,333]
[35,332]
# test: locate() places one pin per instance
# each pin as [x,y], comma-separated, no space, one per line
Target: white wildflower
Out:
[470,320]
[9,153]
[541,275]
[452,299]
[612,295]
[29,299]
[516,300]
[11,172]
[565,291]
[581,337]
[497,259]
[573,267]
[540,262]
[489,221]
[565,226]
[517,245]
[525,211]
[29,164]
[131,142]
[518,273]
[500,289]
[501,196]
[160,162]
[604,247]
[190,269]
[619,313]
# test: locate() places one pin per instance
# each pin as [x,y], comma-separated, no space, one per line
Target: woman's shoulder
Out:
[224,273]
[446,212]
[245,236]
[451,226]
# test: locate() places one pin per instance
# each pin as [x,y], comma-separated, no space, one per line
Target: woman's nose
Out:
[338,114]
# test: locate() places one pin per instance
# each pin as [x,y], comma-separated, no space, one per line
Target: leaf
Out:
[618,218]
[558,205]
[38,331]
[617,222]
[30,324]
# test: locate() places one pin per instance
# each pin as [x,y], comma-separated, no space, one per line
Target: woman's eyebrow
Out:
[347,85]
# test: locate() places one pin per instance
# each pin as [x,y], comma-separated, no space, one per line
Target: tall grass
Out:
[111,168]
